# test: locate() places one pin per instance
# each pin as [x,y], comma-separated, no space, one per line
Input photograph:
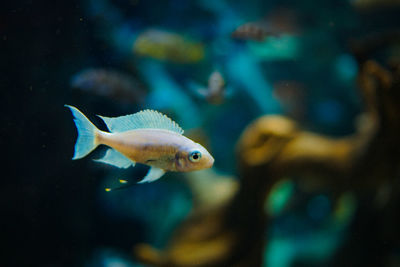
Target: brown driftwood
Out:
[273,147]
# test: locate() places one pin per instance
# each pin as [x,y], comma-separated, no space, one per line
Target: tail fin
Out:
[86,141]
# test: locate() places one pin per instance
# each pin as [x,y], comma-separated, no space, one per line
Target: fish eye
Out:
[195,156]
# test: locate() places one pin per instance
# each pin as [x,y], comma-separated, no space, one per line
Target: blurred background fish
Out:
[256,31]
[168,46]
[216,92]
[277,22]
[111,84]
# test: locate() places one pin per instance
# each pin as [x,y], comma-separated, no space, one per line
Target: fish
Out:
[147,137]
[216,91]
[280,21]
[168,47]
[109,83]
[252,31]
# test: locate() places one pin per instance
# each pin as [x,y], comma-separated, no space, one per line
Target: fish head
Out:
[193,158]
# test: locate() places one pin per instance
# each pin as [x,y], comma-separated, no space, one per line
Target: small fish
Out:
[252,31]
[109,83]
[216,90]
[168,46]
[146,137]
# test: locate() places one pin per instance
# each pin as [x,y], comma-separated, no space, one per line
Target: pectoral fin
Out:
[113,157]
[153,174]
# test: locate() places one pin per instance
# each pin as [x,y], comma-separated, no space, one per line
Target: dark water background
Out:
[49,214]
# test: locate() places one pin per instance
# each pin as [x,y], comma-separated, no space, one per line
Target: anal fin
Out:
[113,157]
[153,174]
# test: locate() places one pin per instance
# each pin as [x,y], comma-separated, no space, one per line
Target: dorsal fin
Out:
[149,119]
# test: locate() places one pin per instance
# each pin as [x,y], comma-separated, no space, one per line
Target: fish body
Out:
[146,137]
[109,83]
[252,31]
[159,148]
[216,87]
[168,46]
[216,91]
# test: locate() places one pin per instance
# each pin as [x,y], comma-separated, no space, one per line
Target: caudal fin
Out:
[86,141]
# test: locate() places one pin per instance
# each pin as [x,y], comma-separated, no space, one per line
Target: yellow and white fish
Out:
[146,137]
